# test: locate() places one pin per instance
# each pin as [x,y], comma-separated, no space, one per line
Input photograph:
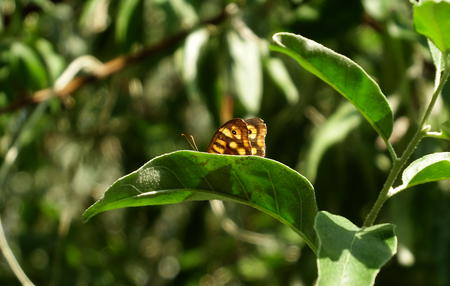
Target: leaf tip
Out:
[277,37]
[88,214]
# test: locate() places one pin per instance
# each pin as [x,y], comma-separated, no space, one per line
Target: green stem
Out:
[399,163]
[391,151]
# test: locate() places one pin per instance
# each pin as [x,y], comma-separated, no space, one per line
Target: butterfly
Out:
[240,137]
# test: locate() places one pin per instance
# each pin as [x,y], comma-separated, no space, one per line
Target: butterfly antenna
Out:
[190,139]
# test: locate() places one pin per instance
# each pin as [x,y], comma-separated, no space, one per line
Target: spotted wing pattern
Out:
[240,137]
[257,135]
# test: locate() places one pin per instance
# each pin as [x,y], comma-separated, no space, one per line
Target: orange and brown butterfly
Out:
[240,137]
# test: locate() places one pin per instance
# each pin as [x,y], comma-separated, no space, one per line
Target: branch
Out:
[117,64]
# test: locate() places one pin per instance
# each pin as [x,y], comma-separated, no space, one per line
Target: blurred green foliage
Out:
[70,149]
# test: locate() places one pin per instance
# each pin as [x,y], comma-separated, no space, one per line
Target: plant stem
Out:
[399,163]
[391,151]
[11,259]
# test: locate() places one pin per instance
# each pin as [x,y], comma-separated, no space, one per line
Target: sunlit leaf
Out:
[341,73]
[431,19]
[349,255]
[429,168]
[246,70]
[191,54]
[194,176]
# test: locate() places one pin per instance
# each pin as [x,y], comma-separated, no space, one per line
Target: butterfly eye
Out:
[249,131]
[234,132]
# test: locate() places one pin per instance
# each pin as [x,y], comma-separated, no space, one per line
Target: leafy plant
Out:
[346,254]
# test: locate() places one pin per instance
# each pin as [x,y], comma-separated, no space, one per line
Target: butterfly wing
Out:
[257,131]
[231,138]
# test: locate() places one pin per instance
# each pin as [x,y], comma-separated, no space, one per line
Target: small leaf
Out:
[432,19]
[181,176]
[246,70]
[429,168]
[349,255]
[344,75]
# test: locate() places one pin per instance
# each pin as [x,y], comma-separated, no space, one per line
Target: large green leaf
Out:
[341,73]
[432,19]
[182,176]
[429,168]
[349,255]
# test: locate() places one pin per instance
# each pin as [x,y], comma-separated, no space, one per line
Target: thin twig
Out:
[391,151]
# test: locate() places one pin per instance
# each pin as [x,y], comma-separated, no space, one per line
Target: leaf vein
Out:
[347,258]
